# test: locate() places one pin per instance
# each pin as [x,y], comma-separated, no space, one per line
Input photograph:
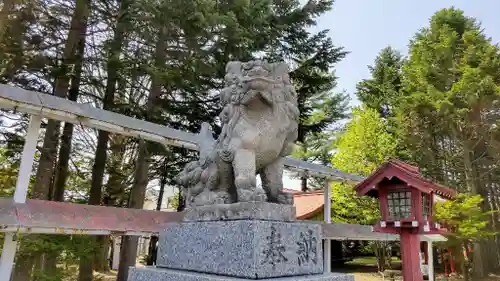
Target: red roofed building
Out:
[308,204]
[396,169]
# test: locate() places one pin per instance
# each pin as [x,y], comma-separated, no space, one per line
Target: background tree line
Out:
[438,108]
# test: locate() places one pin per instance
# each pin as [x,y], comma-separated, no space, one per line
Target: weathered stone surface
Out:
[259,126]
[241,211]
[242,248]
[161,274]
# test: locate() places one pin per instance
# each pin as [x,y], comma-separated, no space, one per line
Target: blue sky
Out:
[364,27]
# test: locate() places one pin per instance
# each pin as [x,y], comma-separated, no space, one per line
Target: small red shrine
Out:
[406,204]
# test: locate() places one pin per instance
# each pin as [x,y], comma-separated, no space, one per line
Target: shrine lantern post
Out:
[406,203]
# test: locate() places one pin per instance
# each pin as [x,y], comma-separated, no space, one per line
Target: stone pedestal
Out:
[242,211]
[266,247]
[244,248]
[163,274]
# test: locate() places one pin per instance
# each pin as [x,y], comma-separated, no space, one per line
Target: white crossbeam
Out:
[52,107]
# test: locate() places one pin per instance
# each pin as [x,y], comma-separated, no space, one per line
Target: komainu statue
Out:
[260,121]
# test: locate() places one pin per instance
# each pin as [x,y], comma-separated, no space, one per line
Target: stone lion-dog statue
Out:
[259,126]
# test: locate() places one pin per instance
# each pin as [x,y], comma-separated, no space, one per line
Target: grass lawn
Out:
[365,269]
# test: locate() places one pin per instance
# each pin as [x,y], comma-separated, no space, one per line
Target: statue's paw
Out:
[245,195]
[204,198]
[211,197]
[251,196]
[285,198]
[222,197]
[259,195]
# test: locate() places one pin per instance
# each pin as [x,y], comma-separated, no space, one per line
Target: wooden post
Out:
[410,255]
[327,249]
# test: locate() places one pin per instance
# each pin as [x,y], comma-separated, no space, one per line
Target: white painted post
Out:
[327,254]
[23,178]
[430,260]
[8,255]
[116,252]
[27,158]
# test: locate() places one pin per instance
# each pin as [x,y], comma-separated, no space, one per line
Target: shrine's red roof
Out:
[405,172]
[308,204]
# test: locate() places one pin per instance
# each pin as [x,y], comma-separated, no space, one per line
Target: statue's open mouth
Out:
[258,87]
[259,83]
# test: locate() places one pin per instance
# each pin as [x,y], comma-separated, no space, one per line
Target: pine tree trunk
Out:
[101,261]
[65,149]
[152,251]
[23,268]
[181,204]
[303,184]
[128,252]
[303,179]
[496,218]
[50,259]
[137,193]
[85,270]
[115,187]
[8,6]
[45,171]
[113,65]
[474,188]
[128,255]
[51,141]
[493,259]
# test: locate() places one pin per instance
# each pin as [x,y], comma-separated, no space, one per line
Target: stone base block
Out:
[241,211]
[243,248]
[161,274]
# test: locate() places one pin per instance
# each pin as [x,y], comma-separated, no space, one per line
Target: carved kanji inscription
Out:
[274,252]
[308,248]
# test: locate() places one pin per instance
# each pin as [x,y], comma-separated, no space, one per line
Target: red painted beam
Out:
[58,217]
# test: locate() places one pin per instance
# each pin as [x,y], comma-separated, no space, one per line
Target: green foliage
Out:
[468,225]
[318,149]
[173,202]
[312,57]
[70,247]
[360,149]
[8,173]
[364,144]
[347,207]
[449,81]
[464,217]
[381,92]
[443,113]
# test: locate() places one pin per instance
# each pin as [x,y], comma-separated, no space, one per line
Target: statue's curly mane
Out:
[234,91]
